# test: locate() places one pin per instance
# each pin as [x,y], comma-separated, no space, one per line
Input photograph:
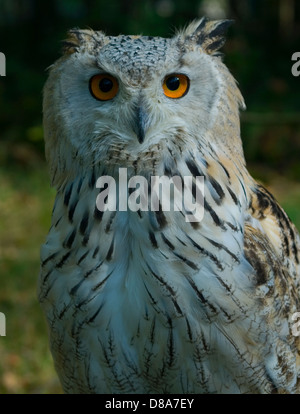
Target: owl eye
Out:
[176,85]
[104,87]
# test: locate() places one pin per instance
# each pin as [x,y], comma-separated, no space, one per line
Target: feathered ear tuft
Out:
[209,34]
[72,43]
[80,38]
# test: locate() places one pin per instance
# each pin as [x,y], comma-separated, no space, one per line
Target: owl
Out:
[156,300]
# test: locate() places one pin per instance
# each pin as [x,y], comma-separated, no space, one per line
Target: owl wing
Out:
[272,247]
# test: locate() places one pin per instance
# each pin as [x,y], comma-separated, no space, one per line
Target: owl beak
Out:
[139,123]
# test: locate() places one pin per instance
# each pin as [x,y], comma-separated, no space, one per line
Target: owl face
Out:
[119,99]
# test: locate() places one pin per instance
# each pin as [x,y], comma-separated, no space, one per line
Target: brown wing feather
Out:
[273,251]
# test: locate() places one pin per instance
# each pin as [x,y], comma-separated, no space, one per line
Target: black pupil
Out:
[105,85]
[173,83]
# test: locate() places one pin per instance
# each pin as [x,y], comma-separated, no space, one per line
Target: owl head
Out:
[124,100]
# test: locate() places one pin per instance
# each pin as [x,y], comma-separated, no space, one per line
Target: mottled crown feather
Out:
[208,34]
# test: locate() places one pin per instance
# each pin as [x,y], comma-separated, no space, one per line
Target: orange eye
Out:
[104,87]
[176,85]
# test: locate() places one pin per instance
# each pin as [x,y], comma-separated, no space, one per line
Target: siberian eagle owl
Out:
[148,300]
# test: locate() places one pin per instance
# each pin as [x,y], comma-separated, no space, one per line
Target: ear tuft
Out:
[209,34]
[78,38]
[72,43]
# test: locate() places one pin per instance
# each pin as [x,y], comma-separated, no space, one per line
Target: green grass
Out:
[25,209]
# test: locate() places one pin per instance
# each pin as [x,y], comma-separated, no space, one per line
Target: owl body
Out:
[147,301]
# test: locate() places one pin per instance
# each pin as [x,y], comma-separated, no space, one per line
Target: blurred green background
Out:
[258,53]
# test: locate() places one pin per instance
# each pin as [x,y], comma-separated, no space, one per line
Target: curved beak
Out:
[139,122]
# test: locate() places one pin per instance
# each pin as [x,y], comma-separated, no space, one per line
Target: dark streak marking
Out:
[102,281]
[85,239]
[205,344]
[110,221]
[221,246]
[193,168]
[200,295]
[233,227]
[160,217]
[52,256]
[63,260]
[224,284]
[63,311]
[79,186]
[186,261]
[171,348]
[95,252]
[168,243]
[213,215]
[167,170]
[58,221]
[75,288]
[50,286]
[72,210]
[216,187]
[55,204]
[233,196]
[92,180]
[87,274]
[286,244]
[46,277]
[92,318]
[227,315]
[224,169]
[98,214]
[82,257]
[229,290]
[67,244]
[189,331]
[243,188]
[68,195]
[152,331]
[153,239]
[206,253]
[184,244]
[84,223]
[153,301]
[169,288]
[110,251]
